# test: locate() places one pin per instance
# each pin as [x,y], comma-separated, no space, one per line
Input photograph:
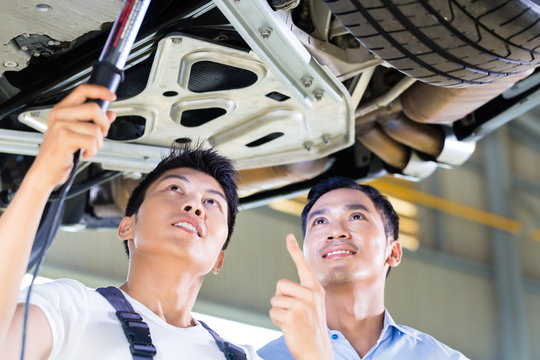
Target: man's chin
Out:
[336,277]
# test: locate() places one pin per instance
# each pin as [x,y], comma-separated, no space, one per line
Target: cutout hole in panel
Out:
[277,96]
[198,117]
[206,76]
[170,93]
[127,128]
[265,139]
[182,140]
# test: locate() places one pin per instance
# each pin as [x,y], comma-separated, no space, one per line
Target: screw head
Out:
[10,64]
[318,93]
[308,145]
[24,48]
[265,31]
[177,41]
[326,139]
[307,81]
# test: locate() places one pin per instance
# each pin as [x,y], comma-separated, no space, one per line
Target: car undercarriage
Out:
[293,91]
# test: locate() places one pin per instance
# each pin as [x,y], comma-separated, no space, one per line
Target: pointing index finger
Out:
[307,278]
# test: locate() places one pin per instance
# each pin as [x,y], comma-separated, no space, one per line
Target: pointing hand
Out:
[299,310]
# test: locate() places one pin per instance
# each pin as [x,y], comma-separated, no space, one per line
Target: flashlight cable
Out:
[50,226]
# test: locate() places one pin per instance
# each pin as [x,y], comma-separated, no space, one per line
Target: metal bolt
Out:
[308,145]
[50,42]
[36,54]
[57,43]
[326,139]
[10,64]
[318,93]
[26,35]
[177,41]
[307,81]
[265,31]
[24,48]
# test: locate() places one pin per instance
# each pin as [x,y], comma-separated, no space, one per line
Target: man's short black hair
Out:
[384,207]
[195,157]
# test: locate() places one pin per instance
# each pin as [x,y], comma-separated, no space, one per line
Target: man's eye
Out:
[318,221]
[357,217]
[175,188]
[211,202]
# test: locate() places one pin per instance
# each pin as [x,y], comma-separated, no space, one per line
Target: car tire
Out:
[451,43]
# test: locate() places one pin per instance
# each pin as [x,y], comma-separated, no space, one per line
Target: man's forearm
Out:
[18,227]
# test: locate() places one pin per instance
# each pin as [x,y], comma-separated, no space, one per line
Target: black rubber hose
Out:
[85,185]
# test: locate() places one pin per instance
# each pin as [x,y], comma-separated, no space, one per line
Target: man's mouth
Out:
[337,252]
[187,226]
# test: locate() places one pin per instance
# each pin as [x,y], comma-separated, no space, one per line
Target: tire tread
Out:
[446,42]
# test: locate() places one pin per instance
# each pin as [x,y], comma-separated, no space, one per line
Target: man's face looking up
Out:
[345,239]
[183,217]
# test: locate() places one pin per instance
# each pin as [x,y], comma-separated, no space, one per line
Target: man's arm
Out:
[299,310]
[73,124]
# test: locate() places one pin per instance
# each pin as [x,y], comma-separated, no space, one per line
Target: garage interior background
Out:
[469,277]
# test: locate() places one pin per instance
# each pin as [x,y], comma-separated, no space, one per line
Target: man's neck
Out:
[169,293]
[357,312]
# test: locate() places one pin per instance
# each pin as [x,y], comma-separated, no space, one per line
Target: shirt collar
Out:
[389,323]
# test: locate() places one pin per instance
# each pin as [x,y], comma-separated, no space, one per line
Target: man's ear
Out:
[219,262]
[394,257]
[126,228]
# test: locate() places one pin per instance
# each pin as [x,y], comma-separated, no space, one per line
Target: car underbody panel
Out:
[289,94]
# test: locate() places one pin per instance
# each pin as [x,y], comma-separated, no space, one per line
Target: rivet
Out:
[265,31]
[50,42]
[24,48]
[36,54]
[307,81]
[318,93]
[177,41]
[308,145]
[10,64]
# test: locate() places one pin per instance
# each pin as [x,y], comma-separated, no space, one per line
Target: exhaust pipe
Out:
[425,138]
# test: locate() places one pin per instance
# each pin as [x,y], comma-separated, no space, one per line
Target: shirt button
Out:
[334,336]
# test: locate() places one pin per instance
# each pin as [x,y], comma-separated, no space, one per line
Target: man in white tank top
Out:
[177,226]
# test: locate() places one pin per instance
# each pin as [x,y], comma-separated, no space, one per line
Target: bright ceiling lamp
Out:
[404,208]
[409,242]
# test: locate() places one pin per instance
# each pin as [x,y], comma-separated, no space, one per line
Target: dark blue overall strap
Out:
[231,352]
[135,329]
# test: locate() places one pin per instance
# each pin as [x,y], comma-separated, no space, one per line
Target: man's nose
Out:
[338,234]
[194,207]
